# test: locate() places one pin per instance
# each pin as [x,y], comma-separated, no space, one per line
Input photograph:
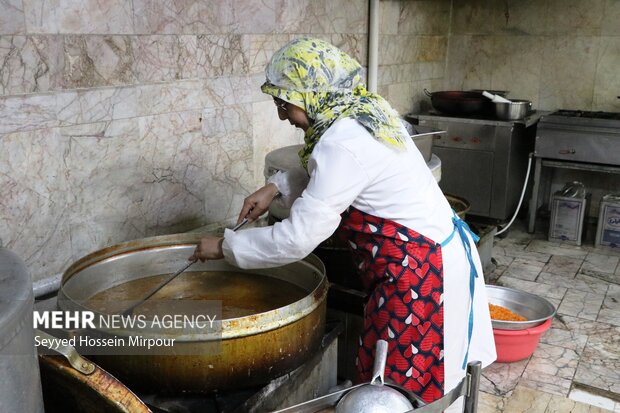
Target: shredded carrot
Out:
[501,313]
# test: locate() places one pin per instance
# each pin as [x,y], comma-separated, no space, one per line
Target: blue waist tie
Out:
[463,230]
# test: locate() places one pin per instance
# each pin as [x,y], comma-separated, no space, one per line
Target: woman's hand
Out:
[257,204]
[209,248]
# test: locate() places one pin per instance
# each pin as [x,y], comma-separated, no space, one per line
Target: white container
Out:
[567,216]
[608,229]
[286,159]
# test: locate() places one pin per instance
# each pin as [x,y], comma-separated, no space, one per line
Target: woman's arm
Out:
[258,203]
[336,179]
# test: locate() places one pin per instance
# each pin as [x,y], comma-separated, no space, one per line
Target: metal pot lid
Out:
[16,297]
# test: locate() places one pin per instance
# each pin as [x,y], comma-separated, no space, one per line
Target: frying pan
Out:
[457,102]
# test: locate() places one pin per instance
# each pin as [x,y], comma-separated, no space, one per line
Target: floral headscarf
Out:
[327,84]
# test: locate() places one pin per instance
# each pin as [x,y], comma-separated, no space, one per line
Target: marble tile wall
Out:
[412,51]
[122,120]
[556,53]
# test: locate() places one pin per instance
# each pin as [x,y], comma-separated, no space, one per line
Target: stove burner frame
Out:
[584,114]
[547,163]
[587,141]
[314,377]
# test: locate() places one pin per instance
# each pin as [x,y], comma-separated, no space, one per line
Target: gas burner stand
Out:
[577,140]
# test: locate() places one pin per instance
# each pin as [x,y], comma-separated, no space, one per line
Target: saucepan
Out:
[508,109]
[513,110]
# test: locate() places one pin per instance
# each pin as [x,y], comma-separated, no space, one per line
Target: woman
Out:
[417,261]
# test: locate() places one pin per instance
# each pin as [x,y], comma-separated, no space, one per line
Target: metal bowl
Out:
[373,398]
[516,109]
[536,309]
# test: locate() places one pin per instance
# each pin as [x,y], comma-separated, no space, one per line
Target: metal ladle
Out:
[129,310]
[375,397]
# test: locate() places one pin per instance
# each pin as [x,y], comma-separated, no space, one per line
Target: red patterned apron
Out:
[402,271]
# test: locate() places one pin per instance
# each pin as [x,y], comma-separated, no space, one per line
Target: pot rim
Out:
[230,328]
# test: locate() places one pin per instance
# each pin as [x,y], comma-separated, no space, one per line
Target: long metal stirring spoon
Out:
[129,310]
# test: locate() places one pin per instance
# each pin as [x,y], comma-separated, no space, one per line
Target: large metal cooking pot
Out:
[254,348]
[20,384]
[456,102]
[67,390]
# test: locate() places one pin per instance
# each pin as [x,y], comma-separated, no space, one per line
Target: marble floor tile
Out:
[512,240]
[606,277]
[524,269]
[576,404]
[582,326]
[543,290]
[610,310]
[511,251]
[561,265]
[546,383]
[594,400]
[603,349]
[502,260]
[546,247]
[500,379]
[581,304]
[604,378]
[579,282]
[490,403]
[555,301]
[527,400]
[611,251]
[596,262]
[599,364]
[517,236]
[492,277]
[553,361]
[564,338]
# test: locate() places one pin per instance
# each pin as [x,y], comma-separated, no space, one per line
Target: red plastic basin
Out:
[515,345]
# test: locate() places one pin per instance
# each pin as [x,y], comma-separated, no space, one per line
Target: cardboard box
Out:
[567,216]
[608,228]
